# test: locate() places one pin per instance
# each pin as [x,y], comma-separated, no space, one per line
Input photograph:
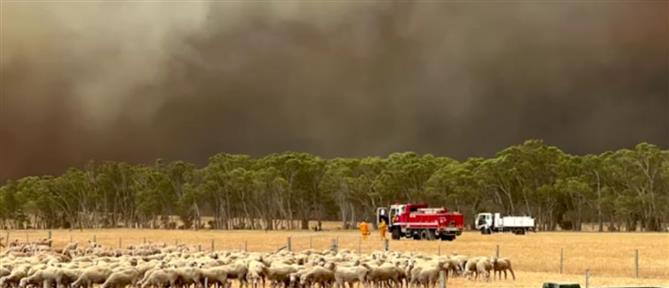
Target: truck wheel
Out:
[415,235]
[483,231]
[396,234]
[427,234]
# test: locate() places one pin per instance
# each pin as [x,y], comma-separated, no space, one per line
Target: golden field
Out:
[535,257]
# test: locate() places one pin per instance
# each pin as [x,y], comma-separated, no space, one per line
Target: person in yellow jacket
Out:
[364,229]
[383,228]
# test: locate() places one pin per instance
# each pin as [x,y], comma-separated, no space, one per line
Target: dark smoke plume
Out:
[135,81]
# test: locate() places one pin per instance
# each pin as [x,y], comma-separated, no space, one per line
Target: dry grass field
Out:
[536,256]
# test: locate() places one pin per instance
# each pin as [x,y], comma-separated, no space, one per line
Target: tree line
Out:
[626,190]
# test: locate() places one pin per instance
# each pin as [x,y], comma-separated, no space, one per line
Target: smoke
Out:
[135,81]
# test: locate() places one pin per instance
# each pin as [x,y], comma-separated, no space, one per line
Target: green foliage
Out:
[626,189]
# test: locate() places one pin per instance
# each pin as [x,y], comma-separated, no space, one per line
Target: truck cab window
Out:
[482,219]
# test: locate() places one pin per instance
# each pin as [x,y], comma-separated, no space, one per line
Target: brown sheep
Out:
[500,265]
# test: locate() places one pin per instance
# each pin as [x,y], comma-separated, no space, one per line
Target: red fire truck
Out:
[418,221]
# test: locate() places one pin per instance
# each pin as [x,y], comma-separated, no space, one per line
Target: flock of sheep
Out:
[157,265]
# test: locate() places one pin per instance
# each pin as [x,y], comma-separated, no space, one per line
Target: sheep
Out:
[460,261]
[257,272]
[280,274]
[13,279]
[93,275]
[67,276]
[500,265]
[427,274]
[44,242]
[483,267]
[120,279]
[317,274]
[221,274]
[189,275]
[45,276]
[469,270]
[160,278]
[32,280]
[386,273]
[4,272]
[350,275]
[237,271]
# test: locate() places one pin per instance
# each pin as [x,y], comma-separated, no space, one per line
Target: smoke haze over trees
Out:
[135,82]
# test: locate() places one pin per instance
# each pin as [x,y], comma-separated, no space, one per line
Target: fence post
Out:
[561,260]
[386,247]
[290,244]
[95,239]
[199,247]
[636,262]
[49,234]
[587,278]
[497,252]
[334,244]
[120,242]
[246,245]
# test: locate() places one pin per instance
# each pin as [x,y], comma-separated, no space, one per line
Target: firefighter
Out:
[382,229]
[364,229]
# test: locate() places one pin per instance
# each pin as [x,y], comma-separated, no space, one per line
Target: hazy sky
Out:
[135,81]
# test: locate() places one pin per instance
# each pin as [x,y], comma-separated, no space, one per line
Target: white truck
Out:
[489,223]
